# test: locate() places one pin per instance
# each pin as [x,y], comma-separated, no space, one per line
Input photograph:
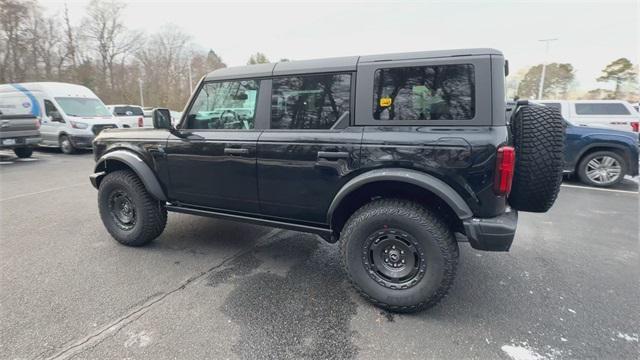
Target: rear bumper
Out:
[17,142]
[492,234]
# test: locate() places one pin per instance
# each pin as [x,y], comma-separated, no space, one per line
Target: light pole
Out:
[544,65]
[141,96]
[190,78]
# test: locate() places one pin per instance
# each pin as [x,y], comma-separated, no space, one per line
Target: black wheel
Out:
[602,168]
[66,145]
[399,255]
[538,135]
[130,214]
[23,152]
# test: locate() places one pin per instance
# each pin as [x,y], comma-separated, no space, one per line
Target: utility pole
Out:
[544,65]
[141,96]
[190,78]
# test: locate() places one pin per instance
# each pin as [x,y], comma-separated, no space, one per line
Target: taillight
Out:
[635,126]
[140,122]
[37,124]
[505,163]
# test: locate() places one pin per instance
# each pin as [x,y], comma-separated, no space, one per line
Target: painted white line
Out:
[42,192]
[599,189]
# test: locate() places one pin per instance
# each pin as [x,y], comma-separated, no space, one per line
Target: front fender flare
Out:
[425,181]
[135,162]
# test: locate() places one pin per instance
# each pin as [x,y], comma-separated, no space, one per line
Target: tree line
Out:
[102,53]
[560,78]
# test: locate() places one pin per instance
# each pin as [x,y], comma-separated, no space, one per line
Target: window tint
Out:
[127,111]
[441,92]
[601,109]
[310,102]
[49,108]
[557,106]
[225,105]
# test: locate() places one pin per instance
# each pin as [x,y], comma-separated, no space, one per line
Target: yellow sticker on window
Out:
[385,102]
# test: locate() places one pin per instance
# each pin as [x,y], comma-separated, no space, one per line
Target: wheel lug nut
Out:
[401,251]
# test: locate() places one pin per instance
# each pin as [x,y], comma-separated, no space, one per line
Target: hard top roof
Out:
[334,64]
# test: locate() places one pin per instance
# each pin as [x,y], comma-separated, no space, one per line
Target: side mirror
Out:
[241,96]
[161,118]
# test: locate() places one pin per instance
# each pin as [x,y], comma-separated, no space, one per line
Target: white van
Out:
[70,115]
[613,114]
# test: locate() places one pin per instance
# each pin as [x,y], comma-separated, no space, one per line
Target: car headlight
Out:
[79,125]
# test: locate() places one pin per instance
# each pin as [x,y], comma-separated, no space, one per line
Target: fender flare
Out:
[135,162]
[425,181]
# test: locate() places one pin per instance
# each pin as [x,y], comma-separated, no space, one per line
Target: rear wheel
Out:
[399,255]
[130,214]
[66,145]
[23,152]
[602,168]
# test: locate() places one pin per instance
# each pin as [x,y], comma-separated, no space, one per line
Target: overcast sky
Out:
[590,35]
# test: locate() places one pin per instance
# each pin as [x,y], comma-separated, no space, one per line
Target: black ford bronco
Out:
[396,156]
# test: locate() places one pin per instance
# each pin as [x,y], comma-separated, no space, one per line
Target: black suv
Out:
[396,156]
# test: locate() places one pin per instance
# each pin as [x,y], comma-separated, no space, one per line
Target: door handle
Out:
[235,151]
[333,155]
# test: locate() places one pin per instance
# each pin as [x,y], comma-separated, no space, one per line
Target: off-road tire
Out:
[151,214]
[433,235]
[582,168]
[66,146]
[23,152]
[538,134]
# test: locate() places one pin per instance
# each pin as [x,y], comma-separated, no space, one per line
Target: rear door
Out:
[310,150]
[212,163]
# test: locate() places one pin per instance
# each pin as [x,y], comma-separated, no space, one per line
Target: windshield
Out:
[82,107]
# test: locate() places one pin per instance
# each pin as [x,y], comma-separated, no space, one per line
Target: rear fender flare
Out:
[425,181]
[137,164]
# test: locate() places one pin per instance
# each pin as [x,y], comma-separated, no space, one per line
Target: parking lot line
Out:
[599,189]
[42,191]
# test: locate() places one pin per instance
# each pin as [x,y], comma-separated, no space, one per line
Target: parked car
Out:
[391,155]
[70,115]
[18,130]
[600,157]
[130,116]
[613,114]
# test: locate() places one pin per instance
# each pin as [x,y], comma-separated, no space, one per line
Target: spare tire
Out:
[538,136]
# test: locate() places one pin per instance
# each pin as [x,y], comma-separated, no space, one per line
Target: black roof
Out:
[348,63]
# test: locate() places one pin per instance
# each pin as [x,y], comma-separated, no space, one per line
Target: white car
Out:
[130,116]
[70,115]
[613,114]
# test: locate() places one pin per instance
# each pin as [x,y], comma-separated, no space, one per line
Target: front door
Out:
[212,163]
[51,122]
[309,150]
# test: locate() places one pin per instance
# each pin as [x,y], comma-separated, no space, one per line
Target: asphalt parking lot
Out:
[216,289]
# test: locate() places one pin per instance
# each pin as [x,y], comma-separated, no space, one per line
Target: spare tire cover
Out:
[538,136]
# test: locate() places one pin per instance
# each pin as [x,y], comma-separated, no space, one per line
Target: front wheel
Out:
[130,214]
[602,169]
[66,145]
[399,255]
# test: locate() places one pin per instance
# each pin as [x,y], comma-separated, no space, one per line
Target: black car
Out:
[600,157]
[391,155]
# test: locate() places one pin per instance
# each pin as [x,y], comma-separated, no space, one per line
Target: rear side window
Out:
[601,109]
[127,111]
[310,102]
[439,92]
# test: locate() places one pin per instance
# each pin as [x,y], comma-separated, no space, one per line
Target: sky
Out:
[590,34]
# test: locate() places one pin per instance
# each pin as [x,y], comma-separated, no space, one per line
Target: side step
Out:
[325,233]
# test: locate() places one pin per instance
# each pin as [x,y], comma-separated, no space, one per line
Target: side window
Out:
[310,101]
[601,109]
[439,92]
[225,105]
[49,108]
